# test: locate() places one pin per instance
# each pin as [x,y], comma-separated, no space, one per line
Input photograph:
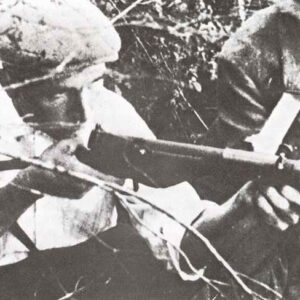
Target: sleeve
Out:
[249,81]
[240,113]
[249,86]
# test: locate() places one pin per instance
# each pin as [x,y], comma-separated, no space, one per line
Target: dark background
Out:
[167,66]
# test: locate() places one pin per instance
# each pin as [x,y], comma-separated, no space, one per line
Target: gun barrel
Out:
[203,155]
[200,152]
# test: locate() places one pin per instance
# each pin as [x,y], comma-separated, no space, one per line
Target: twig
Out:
[265,286]
[192,109]
[58,72]
[126,11]
[102,242]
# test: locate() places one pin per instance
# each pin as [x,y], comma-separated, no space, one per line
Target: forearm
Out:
[236,233]
[27,187]
[15,198]
[211,223]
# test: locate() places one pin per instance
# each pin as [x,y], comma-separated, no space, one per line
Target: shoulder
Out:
[259,32]
[114,113]
[261,22]
[255,48]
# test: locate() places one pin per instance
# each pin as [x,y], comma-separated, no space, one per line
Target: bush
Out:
[167,66]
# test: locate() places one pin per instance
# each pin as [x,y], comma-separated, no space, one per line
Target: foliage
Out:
[167,66]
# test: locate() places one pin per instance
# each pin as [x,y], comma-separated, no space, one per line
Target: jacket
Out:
[256,66]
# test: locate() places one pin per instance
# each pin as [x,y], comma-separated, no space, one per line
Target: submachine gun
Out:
[162,163]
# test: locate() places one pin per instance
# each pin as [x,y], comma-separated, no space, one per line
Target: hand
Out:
[55,183]
[277,206]
[52,182]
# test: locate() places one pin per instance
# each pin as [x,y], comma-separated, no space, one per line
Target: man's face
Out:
[56,105]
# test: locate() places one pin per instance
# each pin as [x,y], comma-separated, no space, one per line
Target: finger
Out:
[276,199]
[291,194]
[281,205]
[268,214]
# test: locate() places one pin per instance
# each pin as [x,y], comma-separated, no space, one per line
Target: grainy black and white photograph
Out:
[149,149]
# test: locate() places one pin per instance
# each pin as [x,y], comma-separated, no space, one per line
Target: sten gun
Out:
[162,163]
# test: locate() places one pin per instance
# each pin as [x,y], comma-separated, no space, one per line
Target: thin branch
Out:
[265,286]
[77,290]
[192,109]
[58,72]
[102,242]
[126,11]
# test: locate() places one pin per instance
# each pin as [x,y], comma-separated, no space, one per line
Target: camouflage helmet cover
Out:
[38,35]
